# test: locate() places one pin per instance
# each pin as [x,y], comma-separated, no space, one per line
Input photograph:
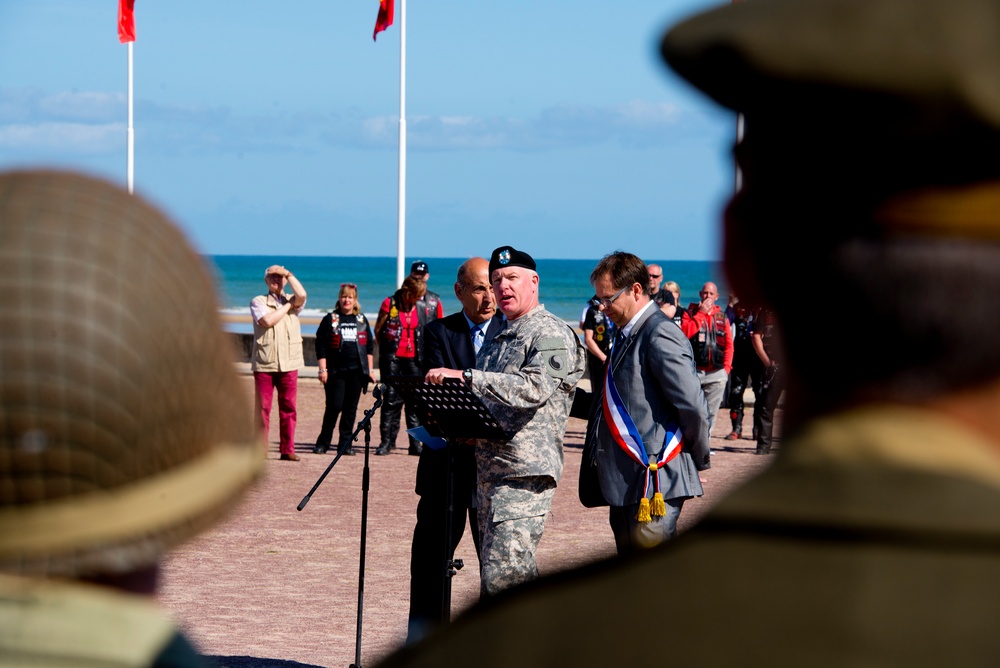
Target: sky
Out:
[272,127]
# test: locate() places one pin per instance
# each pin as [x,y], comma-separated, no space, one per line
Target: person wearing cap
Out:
[870,177]
[399,329]
[526,376]
[277,354]
[430,302]
[111,452]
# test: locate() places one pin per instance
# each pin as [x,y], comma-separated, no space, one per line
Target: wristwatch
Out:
[467,377]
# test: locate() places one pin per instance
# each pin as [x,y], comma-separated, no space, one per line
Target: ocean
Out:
[564,285]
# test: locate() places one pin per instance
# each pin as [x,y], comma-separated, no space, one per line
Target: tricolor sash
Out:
[626,435]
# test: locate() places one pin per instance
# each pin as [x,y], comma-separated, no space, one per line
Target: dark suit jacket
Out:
[447,344]
[655,375]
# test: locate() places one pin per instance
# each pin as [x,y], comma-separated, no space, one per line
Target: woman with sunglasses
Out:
[344,347]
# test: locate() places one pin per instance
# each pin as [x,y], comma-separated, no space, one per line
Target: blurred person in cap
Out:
[526,376]
[431,301]
[277,354]
[112,451]
[874,537]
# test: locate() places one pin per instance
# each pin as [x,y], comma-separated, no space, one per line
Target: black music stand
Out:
[449,410]
[452,411]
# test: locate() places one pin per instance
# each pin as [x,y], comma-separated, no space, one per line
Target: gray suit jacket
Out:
[655,375]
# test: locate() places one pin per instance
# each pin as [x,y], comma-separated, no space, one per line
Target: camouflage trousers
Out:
[511,521]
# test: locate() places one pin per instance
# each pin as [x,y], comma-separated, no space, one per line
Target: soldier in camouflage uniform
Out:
[526,376]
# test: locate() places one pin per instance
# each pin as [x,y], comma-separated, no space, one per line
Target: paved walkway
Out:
[272,586]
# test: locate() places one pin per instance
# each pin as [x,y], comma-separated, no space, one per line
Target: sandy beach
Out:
[272,586]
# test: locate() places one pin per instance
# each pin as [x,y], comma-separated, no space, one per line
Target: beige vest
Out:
[277,348]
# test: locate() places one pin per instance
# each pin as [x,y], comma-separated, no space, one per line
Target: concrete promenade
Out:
[271,586]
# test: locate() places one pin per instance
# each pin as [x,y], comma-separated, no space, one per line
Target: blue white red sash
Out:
[626,435]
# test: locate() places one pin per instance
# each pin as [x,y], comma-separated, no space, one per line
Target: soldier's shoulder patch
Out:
[553,352]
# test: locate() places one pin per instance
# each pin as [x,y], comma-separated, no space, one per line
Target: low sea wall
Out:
[243,344]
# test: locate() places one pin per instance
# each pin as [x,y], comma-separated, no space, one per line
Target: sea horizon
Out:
[564,284]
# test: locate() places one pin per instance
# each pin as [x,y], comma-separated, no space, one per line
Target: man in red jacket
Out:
[712,342]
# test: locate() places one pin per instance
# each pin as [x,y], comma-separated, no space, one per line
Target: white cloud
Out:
[63,137]
[83,106]
[92,122]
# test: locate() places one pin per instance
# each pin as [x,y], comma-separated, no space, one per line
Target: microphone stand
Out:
[451,565]
[366,424]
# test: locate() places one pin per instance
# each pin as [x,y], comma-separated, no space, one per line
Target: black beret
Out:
[508,256]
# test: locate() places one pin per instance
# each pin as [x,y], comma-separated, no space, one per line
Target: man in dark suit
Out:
[652,434]
[451,342]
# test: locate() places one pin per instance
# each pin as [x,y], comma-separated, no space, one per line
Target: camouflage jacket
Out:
[526,376]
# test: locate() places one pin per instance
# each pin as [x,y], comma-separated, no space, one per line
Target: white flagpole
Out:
[401,224]
[130,133]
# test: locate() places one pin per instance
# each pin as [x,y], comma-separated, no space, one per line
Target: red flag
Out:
[126,21]
[384,20]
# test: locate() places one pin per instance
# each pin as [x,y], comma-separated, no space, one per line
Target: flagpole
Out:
[130,133]
[401,224]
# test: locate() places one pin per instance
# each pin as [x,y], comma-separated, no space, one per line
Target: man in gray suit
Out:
[652,429]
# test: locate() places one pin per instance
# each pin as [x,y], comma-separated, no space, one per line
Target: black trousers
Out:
[343,392]
[392,402]
[746,373]
[430,548]
[772,387]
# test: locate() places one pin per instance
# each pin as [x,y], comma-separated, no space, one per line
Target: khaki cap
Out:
[871,100]
[123,429]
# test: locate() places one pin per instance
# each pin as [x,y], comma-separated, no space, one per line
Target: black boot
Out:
[737,431]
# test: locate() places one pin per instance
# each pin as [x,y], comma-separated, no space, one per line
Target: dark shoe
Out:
[347,451]
[286,457]
[320,449]
[734,436]
[415,451]
[762,451]
[382,450]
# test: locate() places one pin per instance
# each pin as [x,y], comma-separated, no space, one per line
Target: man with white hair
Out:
[526,376]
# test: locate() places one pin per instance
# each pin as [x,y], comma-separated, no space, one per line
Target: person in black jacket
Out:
[344,347]
[449,342]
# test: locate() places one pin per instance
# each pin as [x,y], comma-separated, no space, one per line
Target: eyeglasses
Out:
[349,285]
[606,303]
[656,276]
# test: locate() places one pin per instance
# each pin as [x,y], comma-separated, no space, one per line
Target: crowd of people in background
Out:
[733,349]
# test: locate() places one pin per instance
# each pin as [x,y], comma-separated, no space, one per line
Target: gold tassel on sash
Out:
[643,515]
